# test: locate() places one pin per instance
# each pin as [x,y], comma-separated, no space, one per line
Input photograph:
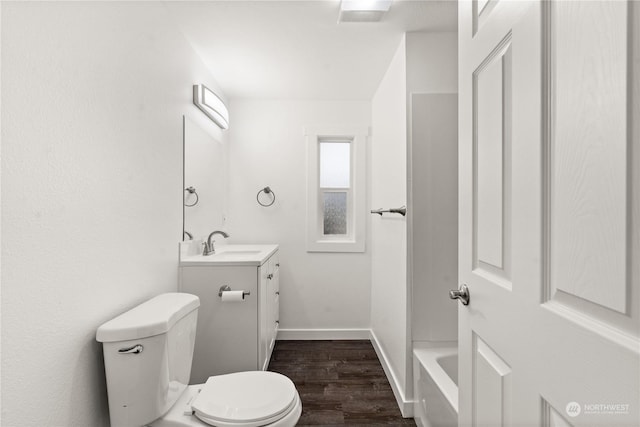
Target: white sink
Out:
[225,254]
[235,251]
[231,255]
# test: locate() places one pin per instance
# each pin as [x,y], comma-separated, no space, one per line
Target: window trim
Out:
[354,241]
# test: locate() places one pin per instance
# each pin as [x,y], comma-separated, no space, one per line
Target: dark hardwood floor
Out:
[340,382]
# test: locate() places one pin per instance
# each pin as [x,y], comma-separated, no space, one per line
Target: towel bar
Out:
[401,210]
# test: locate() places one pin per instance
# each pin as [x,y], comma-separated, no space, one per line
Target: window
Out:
[336,190]
[335,187]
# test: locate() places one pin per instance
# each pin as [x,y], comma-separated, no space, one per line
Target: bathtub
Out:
[436,386]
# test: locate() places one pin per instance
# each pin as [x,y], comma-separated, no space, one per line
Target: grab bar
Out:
[401,210]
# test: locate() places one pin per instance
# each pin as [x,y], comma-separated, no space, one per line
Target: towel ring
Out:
[191,190]
[266,190]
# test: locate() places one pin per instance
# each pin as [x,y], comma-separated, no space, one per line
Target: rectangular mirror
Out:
[205,180]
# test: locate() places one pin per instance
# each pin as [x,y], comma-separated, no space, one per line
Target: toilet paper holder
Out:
[226,288]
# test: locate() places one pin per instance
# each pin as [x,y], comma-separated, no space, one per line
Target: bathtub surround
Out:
[434,216]
[92,105]
[435,244]
[432,161]
[424,65]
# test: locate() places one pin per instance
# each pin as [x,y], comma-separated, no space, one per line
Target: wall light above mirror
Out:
[211,105]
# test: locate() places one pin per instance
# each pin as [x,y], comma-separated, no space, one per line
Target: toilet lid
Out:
[245,398]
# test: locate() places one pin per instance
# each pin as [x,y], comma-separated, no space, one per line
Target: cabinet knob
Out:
[277,292]
[269,276]
[278,265]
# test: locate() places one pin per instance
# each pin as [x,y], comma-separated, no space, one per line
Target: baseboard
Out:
[323,334]
[406,406]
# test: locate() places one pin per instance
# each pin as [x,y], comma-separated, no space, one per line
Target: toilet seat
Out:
[247,399]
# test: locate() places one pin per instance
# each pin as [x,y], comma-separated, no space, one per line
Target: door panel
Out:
[588,148]
[591,184]
[481,12]
[492,387]
[492,165]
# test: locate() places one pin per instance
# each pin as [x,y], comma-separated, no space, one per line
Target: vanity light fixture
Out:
[363,10]
[211,104]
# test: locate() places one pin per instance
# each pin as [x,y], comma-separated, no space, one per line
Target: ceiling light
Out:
[363,10]
[211,105]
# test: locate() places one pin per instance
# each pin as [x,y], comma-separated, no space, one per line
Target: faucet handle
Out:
[206,249]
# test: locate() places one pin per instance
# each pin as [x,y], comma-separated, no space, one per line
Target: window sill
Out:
[336,246]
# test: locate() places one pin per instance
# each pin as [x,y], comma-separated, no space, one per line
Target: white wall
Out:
[267,146]
[389,232]
[92,105]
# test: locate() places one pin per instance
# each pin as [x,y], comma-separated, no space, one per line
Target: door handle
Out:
[461,294]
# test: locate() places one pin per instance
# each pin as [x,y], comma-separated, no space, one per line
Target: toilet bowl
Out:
[148,353]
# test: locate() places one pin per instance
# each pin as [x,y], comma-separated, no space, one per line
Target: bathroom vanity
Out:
[233,335]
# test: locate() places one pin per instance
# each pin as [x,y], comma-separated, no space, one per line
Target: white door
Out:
[549,212]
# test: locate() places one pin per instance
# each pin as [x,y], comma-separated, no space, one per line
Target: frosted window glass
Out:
[335,164]
[335,213]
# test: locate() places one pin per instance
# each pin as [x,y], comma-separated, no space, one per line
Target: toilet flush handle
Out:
[136,349]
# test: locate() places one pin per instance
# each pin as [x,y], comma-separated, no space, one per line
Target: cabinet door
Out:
[226,335]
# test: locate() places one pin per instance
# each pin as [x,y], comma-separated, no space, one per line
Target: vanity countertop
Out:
[226,255]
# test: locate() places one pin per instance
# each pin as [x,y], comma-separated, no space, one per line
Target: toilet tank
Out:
[147,357]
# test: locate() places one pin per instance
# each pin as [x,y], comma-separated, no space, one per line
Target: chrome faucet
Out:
[208,245]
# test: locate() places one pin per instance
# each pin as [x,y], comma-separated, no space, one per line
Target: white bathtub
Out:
[436,386]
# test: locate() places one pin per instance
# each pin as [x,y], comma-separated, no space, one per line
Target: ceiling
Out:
[297,48]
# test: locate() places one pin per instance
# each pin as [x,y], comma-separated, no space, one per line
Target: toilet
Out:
[147,356]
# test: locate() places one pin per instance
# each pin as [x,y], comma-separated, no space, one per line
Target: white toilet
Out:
[147,358]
